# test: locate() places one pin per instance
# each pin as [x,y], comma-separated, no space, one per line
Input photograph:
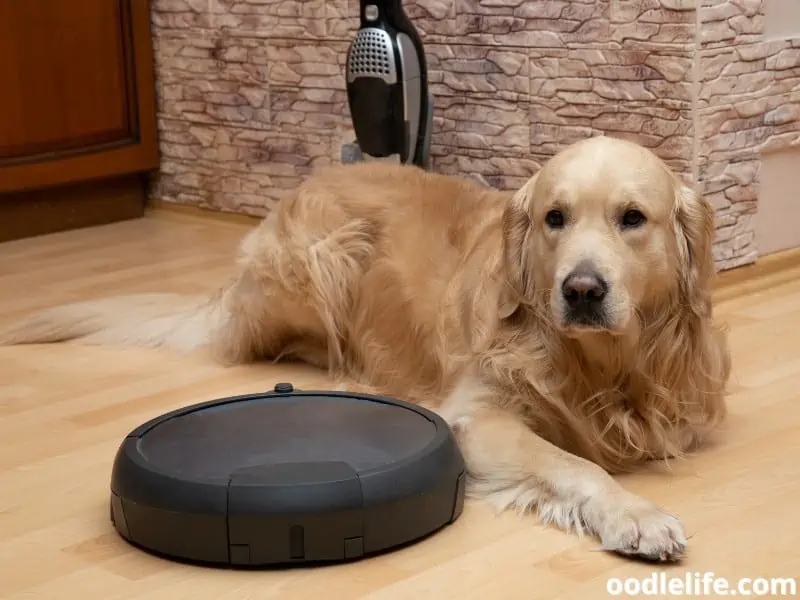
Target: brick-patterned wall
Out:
[252,94]
[748,102]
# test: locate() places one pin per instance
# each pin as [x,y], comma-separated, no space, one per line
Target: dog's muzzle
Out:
[584,295]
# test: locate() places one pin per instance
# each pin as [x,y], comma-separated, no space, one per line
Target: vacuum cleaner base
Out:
[351,152]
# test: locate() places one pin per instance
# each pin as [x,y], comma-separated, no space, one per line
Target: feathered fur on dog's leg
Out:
[512,468]
[293,290]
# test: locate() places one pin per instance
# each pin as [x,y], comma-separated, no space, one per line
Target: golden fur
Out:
[437,290]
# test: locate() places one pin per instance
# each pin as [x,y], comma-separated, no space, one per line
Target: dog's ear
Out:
[693,221]
[516,232]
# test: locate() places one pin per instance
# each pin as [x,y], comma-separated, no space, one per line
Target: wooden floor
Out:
[65,409]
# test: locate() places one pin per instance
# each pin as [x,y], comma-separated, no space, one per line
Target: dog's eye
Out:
[633,218]
[554,219]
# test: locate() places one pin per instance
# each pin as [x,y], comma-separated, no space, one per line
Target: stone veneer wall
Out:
[748,102]
[252,95]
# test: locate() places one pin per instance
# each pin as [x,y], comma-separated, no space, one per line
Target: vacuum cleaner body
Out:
[387,86]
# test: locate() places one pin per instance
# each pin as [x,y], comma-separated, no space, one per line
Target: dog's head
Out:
[605,231]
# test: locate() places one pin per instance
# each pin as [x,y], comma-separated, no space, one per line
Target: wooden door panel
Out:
[77,97]
[64,73]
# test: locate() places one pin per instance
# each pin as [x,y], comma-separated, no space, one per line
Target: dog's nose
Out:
[584,289]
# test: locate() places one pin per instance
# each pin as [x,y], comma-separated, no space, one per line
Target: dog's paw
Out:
[643,531]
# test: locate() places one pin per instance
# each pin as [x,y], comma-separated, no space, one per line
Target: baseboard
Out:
[173,209]
[62,208]
[767,272]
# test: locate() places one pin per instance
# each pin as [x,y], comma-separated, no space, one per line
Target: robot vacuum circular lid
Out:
[287,476]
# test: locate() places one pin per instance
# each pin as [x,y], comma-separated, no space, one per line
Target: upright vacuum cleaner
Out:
[387,86]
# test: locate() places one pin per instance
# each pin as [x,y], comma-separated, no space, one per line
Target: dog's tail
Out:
[143,320]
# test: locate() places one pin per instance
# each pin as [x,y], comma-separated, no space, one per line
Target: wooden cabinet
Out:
[77,113]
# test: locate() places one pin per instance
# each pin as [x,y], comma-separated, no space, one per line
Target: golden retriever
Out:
[564,331]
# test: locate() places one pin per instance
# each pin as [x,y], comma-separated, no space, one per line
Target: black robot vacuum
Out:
[286,477]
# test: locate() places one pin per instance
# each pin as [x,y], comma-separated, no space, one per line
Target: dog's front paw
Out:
[643,531]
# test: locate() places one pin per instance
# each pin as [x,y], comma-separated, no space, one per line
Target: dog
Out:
[564,330]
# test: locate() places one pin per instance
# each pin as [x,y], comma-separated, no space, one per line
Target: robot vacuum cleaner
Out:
[286,477]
